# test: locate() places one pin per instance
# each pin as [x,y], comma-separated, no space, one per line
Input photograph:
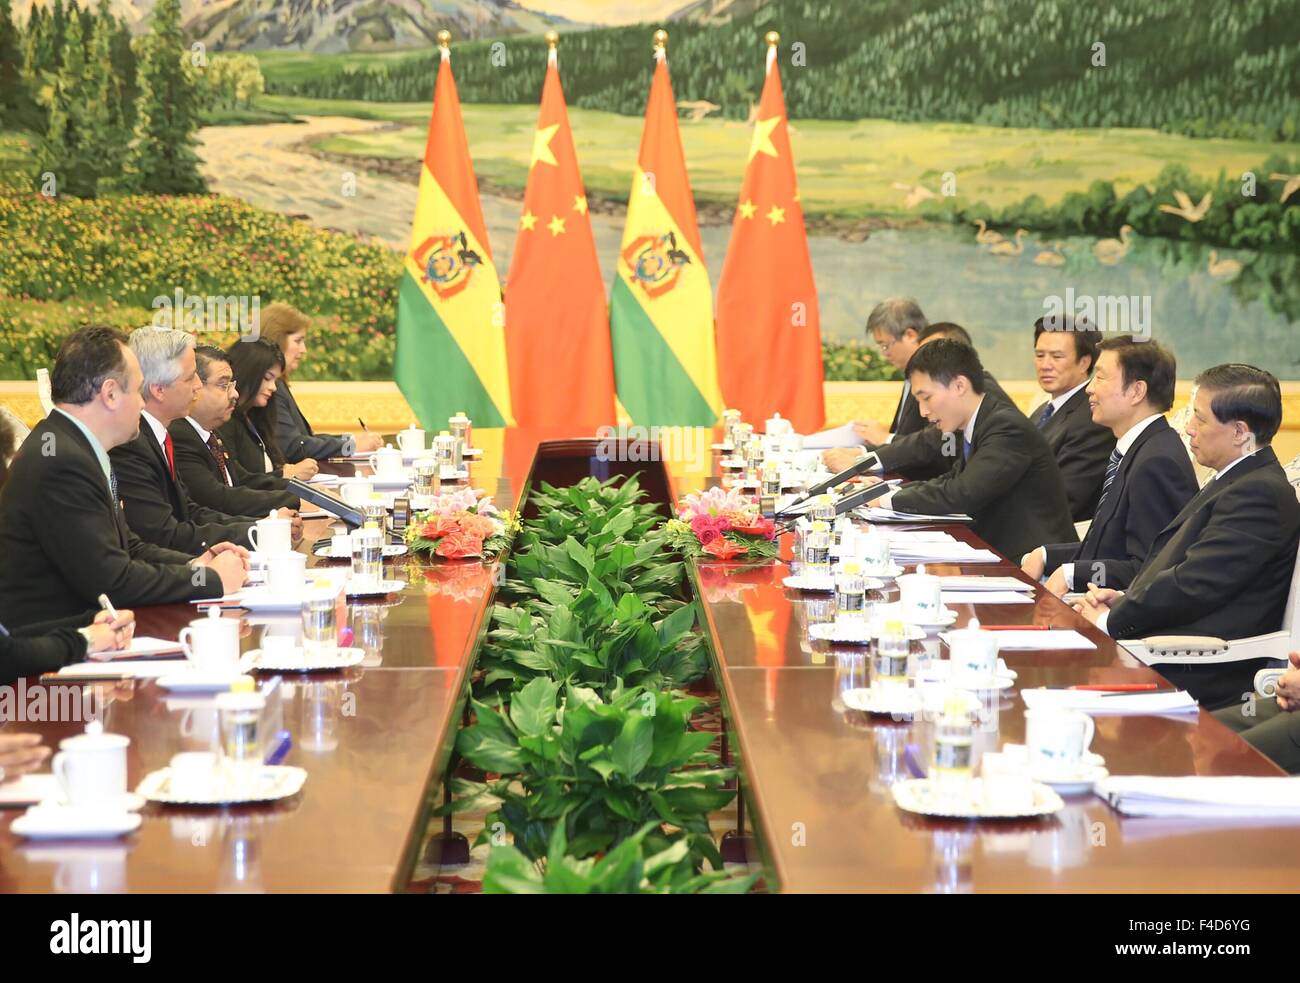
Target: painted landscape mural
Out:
[1139,156]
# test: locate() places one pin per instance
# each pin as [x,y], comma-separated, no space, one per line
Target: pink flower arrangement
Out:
[722,524]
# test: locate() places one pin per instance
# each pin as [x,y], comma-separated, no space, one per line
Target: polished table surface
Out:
[817,777]
[375,741]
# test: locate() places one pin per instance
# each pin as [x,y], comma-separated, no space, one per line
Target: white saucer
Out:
[275,782]
[472,452]
[840,633]
[1077,784]
[948,617]
[732,463]
[196,680]
[925,797]
[343,658]
[327,551]
[894,701]
[66,823]
[891,572]
[261,598]
[722,447]
[126,802]
[911,632]
[803,581]
[380,589]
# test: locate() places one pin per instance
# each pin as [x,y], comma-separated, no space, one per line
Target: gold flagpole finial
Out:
[661,39]
[773,39]
[444,40]
[552,40]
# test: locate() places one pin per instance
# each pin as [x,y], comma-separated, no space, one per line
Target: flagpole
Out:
[773,39]
[444,42]
[552,42]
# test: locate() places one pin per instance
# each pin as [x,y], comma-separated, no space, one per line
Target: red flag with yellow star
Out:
[768,327]
[557,322]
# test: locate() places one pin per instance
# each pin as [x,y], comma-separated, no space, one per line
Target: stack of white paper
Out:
[876,513]
[985,597]
[953,552]
[998,584]
[144,669]
[1203,796]
[143,647]
[1048,640]
[1091,701]
[842,436]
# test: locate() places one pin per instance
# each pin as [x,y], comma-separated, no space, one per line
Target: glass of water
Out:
[320,624]
[367,555]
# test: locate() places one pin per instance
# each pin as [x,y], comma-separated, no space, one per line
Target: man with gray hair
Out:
[158,508]
[895,325]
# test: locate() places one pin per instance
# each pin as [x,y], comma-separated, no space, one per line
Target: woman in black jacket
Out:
[250,436]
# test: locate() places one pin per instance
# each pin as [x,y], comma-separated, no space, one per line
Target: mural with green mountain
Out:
[1127,148]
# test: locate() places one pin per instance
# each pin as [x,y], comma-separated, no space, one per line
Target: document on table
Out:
[843,436]
[143,669]
[941,553]
[29,790]
[1127,704]
[876,513]
[143,647]
[1046,640]
[985,597]
[1229,796]
[993,584]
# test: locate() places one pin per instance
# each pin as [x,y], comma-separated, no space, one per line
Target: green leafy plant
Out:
[600,769]
[630,868]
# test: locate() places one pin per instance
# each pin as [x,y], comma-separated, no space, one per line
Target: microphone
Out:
[858,498]
[850,502]
[852,471]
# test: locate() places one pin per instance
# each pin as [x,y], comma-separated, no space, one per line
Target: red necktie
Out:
[171,454]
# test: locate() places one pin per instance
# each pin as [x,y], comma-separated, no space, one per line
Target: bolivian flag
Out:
[661,305]
[451,351]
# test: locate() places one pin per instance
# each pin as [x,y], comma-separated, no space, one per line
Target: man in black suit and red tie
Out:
[1223,566]
[62,532]
[1148,478]
[158,506]
[1065,354]
[210,473]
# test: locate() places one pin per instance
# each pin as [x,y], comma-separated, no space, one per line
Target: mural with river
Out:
[983,158]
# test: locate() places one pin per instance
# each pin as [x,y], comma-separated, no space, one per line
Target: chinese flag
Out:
[768,328]
[557,324]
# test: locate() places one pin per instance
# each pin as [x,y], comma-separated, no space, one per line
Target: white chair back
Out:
[43,390]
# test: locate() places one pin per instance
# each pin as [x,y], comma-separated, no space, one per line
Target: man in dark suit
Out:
[210,473]
[62,531]
[1065,353]
[919,455]
[1223,566]
[1149,477]
[895,325]
[158,506]
[1004,474]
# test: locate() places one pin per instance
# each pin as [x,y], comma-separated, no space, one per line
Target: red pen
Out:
[1015,627]
[1120,687]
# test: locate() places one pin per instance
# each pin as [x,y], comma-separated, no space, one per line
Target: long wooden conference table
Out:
[376,741]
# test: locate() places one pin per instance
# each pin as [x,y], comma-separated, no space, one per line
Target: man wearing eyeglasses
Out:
[213,477]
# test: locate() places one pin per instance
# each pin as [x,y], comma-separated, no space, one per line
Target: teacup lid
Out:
[94,739]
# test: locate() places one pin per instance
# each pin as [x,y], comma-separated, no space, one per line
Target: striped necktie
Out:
[1112,468]
[112,486]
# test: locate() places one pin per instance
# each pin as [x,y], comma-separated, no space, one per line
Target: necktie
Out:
[112,486]
[1046,415]
[171,454]
[219,454]
[1112,468]
[966,448]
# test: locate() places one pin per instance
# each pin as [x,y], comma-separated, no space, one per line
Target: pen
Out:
[1015,627]
[1119,687]
[363,424]
[107,605]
